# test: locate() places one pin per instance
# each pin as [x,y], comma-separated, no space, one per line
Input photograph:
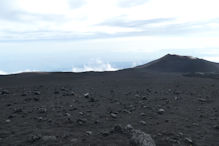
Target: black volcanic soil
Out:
[177,63]
[51,109]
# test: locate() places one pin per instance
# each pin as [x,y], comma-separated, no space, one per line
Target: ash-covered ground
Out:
[93,108]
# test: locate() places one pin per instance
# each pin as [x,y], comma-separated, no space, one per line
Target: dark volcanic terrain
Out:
[176,63]
[93,108]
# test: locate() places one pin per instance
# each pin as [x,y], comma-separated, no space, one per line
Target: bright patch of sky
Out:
[60,35]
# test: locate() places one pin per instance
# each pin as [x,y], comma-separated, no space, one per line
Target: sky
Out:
[84,35]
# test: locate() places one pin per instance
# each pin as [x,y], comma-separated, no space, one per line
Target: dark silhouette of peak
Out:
[177,63]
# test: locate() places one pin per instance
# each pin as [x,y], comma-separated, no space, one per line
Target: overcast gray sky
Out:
[125,30]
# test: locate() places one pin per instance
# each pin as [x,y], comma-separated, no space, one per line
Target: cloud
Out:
[159,26]
[214,59]
[8,11]
[136,63]
[135,23]
[156,27]
[16,72]
[3,73]
[95,65]
[131,3]
[76,3]
[27,20]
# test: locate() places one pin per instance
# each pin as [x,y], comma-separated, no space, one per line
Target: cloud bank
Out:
[27,20]
[95,65]
[16,72]
[3,73]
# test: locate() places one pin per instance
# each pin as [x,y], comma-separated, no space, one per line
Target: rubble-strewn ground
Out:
[90,108]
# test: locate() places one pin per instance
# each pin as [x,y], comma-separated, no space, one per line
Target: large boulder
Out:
[138,137]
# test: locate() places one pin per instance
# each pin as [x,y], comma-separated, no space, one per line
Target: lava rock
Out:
[81,121]
[24,94]
[160,111]
[86,95]
[105,133]
[138,137]
[42,110]
[144,98]
[36,98]
[74,140]
[8,121]
[189,140]
[4,92]
[18,110]
[113,115]
[89,132]
[4,134]
[56,92]
[92,99]
[36,93]
[34,138]
[216,127]
[118,129]
[142,122]
[49,138]
[202,100]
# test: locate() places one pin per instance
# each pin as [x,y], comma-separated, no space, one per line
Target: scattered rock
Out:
[74,140]
[39,119]
[195,124]
[113,115]
[189,140]
[56,92]
[27,99]
[142,114]
[176,92]
[49,138]
[126,111]
[202,99]
[4,92]
[18,110]
[216,127]
[72,93]
[67,114]
[92,99]
[89,132]
[144,98]
[24,94]
[142,122]
[105,133]
[63,89]
[149,90]
[86,95]
[42,110]
[4,134]
[36,98]
[118,129]
[81,121]
[8,105]
[129,127]
[180,134]
[36,92]
[8,121]
[34,138]
[11,116]
[160,111]
[176,97]
[137,96]
[81,113]
[96,122]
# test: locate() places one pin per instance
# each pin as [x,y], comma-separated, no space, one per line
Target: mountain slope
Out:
[176,63]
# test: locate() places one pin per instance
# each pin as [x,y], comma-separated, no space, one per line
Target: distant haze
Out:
[84,35]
